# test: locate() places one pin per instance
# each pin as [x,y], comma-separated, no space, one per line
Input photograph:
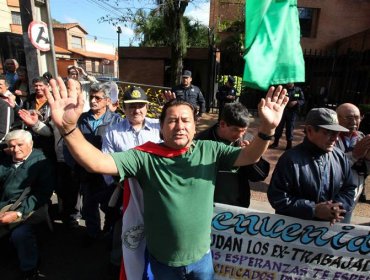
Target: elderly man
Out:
[355,145]
[177,177]
[93,125]
[186,91]
[27,181]
[313,181]
[232,186]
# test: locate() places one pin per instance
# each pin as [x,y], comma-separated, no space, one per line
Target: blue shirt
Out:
[94,123]
[122,137]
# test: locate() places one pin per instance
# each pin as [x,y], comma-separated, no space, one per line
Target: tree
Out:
[151,31]
[172,12]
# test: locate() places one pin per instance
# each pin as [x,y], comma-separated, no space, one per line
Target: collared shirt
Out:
[93,122]
[122,136]
[40,103]
[349,141]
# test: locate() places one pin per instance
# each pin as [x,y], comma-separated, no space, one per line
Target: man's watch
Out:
[264,136]
[19,214]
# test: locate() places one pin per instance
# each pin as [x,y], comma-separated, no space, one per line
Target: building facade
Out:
[71,46]
[335,39]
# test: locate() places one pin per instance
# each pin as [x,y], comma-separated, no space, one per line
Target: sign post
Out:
[38,38]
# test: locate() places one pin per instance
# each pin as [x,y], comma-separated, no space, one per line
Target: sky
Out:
[87,13]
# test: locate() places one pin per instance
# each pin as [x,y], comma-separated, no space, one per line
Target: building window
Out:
[16,18]
[76,42]
[308,18]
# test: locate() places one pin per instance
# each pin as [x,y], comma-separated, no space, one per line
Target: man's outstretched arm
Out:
[66,108]
[270,111]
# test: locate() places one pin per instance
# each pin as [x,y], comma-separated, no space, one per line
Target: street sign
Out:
[38,34]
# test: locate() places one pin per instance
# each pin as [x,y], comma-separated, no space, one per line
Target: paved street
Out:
[63,256]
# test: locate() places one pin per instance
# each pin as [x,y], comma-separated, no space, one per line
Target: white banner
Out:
[247,244]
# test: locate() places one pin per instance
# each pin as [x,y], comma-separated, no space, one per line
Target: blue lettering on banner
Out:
[253,225]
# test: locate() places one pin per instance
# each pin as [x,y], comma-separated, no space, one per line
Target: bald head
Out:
[349,116]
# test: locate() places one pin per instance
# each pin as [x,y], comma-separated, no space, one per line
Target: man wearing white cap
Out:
[313,180]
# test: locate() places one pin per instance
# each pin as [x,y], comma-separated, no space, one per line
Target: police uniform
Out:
[221,94]
[192,95]
[289,116]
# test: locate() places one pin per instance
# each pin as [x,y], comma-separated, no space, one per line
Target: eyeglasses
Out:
[352,118]
[97,98]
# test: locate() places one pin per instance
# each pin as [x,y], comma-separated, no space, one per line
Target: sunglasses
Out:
[97,98]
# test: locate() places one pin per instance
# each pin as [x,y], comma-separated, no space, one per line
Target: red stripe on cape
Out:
[161,150]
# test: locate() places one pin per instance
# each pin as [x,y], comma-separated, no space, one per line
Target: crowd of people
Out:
[65,136]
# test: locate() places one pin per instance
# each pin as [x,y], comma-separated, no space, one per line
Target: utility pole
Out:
[38,38]
[119,31]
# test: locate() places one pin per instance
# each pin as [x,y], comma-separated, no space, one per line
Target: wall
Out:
[337,19]
[13,3]
[147,65]
[142,71]
[60,37]
[62,65]
[6,18]
[98,47]
[358,43]
[75,31]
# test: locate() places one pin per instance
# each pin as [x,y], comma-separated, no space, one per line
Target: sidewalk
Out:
[259,201]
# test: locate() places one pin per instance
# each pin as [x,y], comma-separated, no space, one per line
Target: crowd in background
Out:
[320,179]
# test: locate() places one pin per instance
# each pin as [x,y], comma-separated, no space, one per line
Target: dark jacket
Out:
[192,95]
[95,138]
[295,185]
[232,186]
[36,171]
[295,94]
[224,91]
[6,118]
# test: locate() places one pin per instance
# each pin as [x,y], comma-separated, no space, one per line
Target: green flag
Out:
[273,52]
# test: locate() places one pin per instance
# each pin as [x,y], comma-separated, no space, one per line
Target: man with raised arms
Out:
[177,176]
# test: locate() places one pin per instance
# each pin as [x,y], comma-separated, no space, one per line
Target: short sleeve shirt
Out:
[178,197]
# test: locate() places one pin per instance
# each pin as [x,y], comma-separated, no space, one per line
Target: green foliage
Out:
[237,26]
[155,99]
[172,13]
[151,29]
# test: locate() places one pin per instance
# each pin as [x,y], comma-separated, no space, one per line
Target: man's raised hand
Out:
[66,106]
[271,107]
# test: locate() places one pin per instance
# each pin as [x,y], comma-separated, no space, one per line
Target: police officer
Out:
[296,100]
[190,93]
[226,94]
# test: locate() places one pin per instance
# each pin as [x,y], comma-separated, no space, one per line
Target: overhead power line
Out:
[105,8]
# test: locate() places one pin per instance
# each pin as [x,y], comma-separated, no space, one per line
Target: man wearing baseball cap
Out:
[313,180]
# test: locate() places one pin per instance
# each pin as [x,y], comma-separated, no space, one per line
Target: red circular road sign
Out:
[38,34]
